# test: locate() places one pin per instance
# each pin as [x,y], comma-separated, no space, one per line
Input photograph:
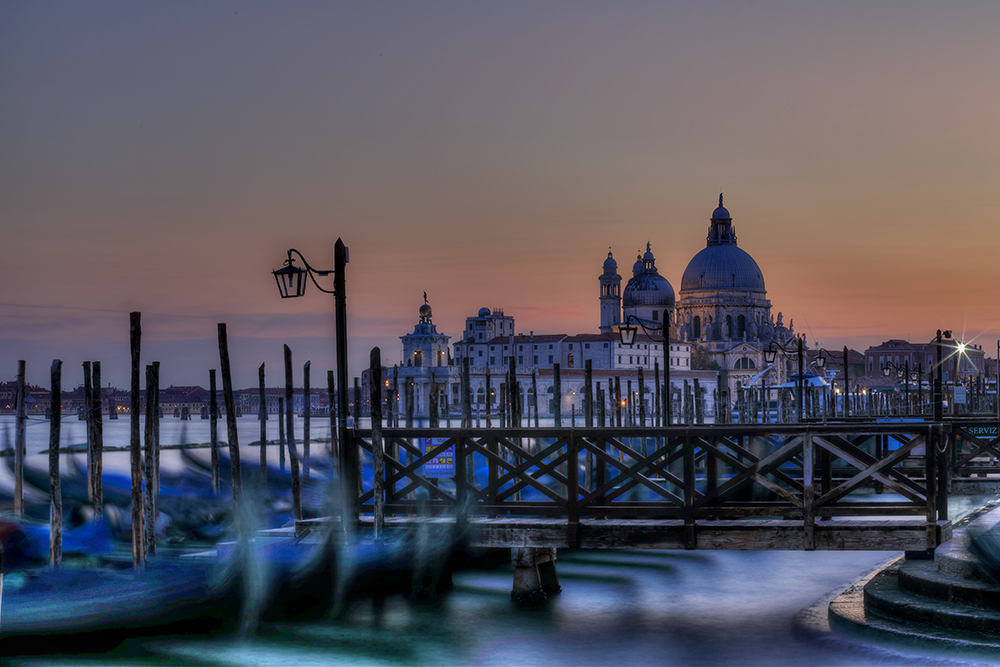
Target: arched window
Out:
[481,396]
[741,326]
[745,364]
[418,358]
[696,327]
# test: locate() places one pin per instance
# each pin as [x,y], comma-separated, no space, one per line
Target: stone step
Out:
[847,614]
[884,598]
[927,579]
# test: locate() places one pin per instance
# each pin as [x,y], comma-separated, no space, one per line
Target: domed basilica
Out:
[723,309]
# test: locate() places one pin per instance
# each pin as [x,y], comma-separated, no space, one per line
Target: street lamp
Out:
[938,399]
[820,362]
[292,283]
[902,373]
[771,353]
[627,331]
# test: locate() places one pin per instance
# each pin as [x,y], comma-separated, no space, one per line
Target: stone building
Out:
[959,360]
[724,311]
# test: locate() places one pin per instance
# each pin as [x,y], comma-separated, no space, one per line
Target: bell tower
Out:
[611,295]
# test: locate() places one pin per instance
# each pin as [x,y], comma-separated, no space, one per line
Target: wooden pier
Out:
[834,486]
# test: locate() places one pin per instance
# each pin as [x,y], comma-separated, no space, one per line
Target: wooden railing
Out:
[691,474]
[974,450]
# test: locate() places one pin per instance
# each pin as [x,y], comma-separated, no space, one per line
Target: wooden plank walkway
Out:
[857,534]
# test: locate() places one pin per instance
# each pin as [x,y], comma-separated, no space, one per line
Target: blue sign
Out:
[442,465]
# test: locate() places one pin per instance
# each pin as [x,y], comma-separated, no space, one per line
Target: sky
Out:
[163,157]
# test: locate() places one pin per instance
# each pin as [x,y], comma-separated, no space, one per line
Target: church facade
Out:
[722,312]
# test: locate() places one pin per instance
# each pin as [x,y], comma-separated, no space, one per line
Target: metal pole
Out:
[847,395]
[666,366]
[906,384]
[348,458]
[938,407]
[801,384]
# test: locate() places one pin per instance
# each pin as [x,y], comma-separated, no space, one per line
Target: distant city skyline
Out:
[163,158]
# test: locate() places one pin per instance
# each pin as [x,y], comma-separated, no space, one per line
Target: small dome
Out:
[610,262]
[721,213]
[648,289]
[484,312]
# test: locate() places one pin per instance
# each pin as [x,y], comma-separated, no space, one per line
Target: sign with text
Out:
[442,465]
[960,395]
[981,431]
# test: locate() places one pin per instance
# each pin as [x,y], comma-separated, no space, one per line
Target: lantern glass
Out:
[820,362]
[886,370]
[627,333]
[770,355]
[291,281]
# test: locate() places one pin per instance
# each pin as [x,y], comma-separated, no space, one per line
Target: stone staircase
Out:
[942,603]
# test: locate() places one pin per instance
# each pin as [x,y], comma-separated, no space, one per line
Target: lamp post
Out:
[292,283]
[627,332]
[902,373]
[938,399]
[820,362]
[771,353]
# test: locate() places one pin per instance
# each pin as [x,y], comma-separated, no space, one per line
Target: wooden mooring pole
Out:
[290,434]
[262,416]
[135,336]
[96,466]
[306,414]
[19,440]
[55,484]
[155,469]
[378,477]
[232,432]
[148,471]
[88,416]
[213,425]
[281,433]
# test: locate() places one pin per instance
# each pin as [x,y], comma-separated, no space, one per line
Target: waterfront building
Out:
[427,365]
[960,361]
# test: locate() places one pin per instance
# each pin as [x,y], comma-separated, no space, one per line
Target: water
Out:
[623,607]
[617,608]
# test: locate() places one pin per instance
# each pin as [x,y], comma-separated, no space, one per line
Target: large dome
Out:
[722,265]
